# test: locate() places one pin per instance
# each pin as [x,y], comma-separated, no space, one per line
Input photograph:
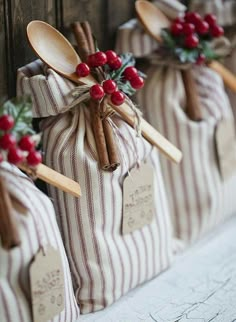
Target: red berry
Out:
[217,31]
[176,29]
[202,27]
[116,64]
[91,61]
[210,19]
[137,82]
[100,58]
[201,59]
[188,28]
[117,98]
[15,155]
[192,17]
[191,41]
[6,122]
[1,157]
[97,59]
[34,158]
[96,92]
[179,20]
[109,86]
[7,141]
[130,72]
[82,70]
[111,56]
[26,143]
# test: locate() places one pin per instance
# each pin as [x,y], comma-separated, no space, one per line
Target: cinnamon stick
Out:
[99,136]
[193,110]
[89,35]
[111,145]
[8,231]
[108,132]
[81,39]
[103,133]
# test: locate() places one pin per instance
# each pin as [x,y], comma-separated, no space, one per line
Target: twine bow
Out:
[81,94]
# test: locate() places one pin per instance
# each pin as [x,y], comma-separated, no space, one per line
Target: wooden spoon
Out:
[153,20]
[55,50]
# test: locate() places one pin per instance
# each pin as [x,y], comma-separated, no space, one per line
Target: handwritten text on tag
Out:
[138,194]
[47,285]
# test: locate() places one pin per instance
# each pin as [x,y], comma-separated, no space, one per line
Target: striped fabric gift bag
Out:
[36,228]
[225,10]
[198,197]
[104,262]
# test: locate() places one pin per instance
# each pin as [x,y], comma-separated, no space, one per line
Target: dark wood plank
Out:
[20,13]
[3,74]
[118,12]
[104,15]
[93,11]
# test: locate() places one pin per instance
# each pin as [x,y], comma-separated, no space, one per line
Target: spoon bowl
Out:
[55,50]
[152,19]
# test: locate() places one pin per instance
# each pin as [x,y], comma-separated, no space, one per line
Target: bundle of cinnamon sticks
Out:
[8,230]
[193,108]
[103,132]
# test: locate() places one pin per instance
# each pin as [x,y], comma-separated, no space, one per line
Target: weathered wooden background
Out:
[104,15]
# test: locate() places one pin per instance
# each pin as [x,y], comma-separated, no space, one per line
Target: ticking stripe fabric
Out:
[131,37]
[226,13]
[230,62]
[36,229]
[198,198]
[105,264]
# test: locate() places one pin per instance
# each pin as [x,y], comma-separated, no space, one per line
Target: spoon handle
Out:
[56,179]
[150,133]
[228,77]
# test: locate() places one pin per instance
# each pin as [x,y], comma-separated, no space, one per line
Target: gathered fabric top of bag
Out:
[40,76]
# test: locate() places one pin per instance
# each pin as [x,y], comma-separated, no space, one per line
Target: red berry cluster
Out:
[17,152]
[192,27]
[109,86]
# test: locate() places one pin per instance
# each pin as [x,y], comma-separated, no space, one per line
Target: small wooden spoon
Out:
[55,50]
[153,20]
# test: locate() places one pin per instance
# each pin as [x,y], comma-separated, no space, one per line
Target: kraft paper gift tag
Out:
[47,285]
[226,148]
[138,194]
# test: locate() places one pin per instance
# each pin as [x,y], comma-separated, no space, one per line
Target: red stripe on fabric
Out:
[147,275]
[5,305]
[182,168]
[9,277]
[73,264]
[115,214]
[89,191]
[71,301]
[103,201]
[131,165]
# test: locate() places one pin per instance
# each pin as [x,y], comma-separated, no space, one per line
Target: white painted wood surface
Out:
[199,287]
